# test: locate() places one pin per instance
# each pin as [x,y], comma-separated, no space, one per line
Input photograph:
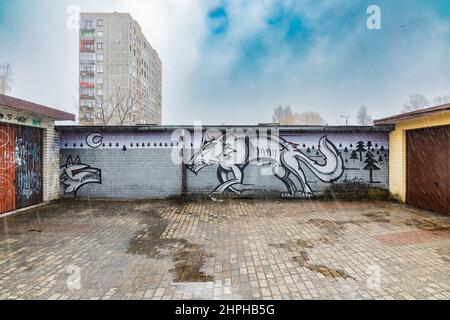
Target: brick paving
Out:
[235,249]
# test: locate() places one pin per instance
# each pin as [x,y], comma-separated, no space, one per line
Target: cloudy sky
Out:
[233,61]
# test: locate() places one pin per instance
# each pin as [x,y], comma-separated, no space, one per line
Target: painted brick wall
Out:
[50,148]
[139,164]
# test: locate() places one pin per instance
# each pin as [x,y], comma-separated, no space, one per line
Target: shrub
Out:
[377,193]
[355,191]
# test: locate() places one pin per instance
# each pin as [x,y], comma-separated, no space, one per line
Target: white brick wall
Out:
[51,163]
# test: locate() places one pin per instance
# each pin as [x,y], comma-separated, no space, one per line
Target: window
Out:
[87,58]
[87,47]
[100,34]
[99,79]
[99,57]
[100,69]
[100,45]
[100,22]
[88,24]
[99,92]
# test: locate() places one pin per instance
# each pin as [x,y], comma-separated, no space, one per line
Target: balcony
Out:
[87,73]
[87,34]
[87,84]
[87,96]
[87,61]
[87,104]
[87,46]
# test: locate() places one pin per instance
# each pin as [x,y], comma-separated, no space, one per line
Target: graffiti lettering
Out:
[28,183]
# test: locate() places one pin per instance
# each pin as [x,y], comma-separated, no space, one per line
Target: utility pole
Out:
[346,119]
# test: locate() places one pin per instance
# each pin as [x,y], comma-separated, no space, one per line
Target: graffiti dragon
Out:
[232,153]
[75,174]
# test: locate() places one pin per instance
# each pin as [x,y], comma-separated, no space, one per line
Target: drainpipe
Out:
[183,169]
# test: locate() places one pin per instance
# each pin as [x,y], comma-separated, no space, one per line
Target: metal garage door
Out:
[20,167]
[428,169]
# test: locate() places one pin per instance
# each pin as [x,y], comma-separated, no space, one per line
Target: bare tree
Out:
[309,118]
[362,117]
[5,77]
[440,100]
[415,102]
[283,115]
[117,109]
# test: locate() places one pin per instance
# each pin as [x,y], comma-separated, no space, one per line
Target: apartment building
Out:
[2,84]
[120,72]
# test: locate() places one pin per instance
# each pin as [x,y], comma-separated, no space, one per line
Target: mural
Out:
[75,174]
[232,153]
[94,140]
[248,162]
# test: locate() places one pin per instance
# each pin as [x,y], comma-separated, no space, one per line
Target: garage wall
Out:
[397,146]
[29,159]
[135,164]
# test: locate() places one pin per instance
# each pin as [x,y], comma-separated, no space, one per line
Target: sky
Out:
[234,61]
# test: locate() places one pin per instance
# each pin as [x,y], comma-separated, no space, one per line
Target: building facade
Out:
[29,153]
[120,72]
[419,168]
[2,84]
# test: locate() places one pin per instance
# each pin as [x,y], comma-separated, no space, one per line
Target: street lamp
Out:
[346,119]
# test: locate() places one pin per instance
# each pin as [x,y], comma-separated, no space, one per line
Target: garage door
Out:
[20,167]
[428,168]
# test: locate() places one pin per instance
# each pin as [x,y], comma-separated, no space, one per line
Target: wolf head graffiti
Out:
[75,174]
[232,153]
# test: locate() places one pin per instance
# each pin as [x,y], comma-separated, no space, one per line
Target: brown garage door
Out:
[428,169]
[20,167]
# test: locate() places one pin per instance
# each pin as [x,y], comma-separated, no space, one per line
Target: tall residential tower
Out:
[120,73]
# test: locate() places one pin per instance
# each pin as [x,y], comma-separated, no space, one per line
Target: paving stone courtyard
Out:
[234,249]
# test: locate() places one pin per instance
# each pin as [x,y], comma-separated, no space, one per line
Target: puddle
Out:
[427,225]
[310,243]
[188,258]
[304,261]
[188,262]
[35,230]
[148,241]
[332,229]
[444,254]
[335,227]
[377,216]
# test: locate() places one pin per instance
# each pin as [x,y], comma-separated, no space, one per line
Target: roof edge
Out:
[412,114]
[28,106]
[382,128]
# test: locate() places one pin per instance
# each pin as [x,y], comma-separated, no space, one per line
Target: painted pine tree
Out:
[354,155]
[371,164]
[360,147]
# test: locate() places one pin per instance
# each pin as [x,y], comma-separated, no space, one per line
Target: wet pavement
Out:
[235,249]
